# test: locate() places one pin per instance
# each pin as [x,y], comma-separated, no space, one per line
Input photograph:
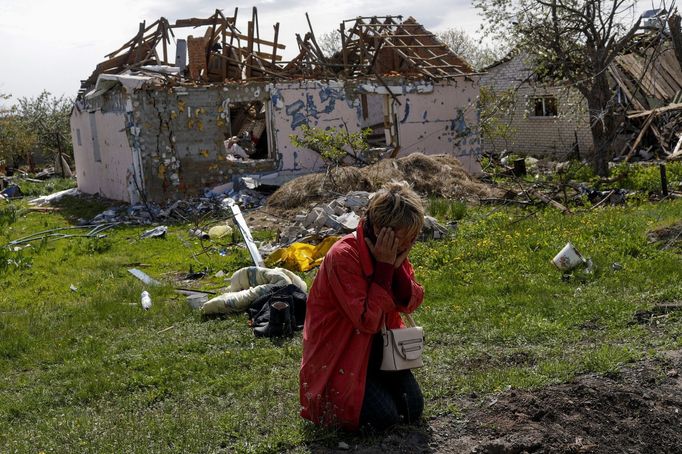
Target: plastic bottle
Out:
[146,300]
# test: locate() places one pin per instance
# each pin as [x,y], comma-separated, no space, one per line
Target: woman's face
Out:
[405,237]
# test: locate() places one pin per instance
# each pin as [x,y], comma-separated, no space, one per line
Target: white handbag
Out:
[402,348]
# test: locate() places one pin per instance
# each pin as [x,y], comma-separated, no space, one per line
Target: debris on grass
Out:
[144,277]
[156,232]
[55,197]
[246,285]
[94,231]
[568,258]
[145,300]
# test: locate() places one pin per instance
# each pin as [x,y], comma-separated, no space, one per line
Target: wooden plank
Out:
[233,31]
[223,51]
[259,41]
[314,41]
[254,19]
[195,22]
[241,63]
[657,111]
[639,137]
[164,34]
[249,47]
[344,48]
[274,47]
[130,42]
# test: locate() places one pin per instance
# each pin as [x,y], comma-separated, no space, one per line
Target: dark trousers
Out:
[390,398]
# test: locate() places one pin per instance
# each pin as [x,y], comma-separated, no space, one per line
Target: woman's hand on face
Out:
[386,248]
[401,258]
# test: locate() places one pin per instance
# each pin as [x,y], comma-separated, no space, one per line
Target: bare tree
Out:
[474,52]
[330,42]
[574,41]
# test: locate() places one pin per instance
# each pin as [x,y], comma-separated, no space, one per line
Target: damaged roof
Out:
[370,46]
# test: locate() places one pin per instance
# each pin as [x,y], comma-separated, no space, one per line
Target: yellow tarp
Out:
[301,256]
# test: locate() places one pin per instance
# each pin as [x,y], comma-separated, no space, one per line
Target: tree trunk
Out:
[602,123]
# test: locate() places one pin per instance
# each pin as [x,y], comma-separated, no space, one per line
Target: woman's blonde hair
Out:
[397,206]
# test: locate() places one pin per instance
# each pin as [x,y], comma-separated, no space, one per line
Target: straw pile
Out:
[437,176]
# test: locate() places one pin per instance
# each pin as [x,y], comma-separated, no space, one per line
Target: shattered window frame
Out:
[546,106]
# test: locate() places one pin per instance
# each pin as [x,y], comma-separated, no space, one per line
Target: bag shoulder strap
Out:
[406,317]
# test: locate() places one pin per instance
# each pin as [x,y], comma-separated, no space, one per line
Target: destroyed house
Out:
[550,119]
[151,126]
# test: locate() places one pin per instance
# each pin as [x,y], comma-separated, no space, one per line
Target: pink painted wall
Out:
[444,121]
[315,103]
[434,118]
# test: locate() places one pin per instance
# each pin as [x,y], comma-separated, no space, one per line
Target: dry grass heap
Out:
[437,176]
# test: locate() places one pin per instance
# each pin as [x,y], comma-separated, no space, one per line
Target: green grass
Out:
[89,371]
[446,209]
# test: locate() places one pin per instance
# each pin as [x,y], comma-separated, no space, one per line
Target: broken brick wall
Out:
[182,134]
[196,50]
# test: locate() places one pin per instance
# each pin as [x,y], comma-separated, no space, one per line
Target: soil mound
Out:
[438,176]
[636,410]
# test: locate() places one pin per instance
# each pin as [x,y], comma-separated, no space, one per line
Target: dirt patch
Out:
[440,176]
[658,311]
[669,237]
[638,410]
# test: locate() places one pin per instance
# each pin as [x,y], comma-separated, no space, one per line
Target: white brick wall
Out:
[548,137]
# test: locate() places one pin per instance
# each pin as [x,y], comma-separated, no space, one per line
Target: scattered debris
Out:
[145,300]
[141,275]
[73,288]
[246,285]
[198,233]
[11,192]
[432,230]
[668,237]
[95,231]
[568,258]
[156,232]
[197,300]
[301,256]
[246,233]
[219,231]
[55,197]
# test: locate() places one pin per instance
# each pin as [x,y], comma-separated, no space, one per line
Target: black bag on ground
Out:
[278,313]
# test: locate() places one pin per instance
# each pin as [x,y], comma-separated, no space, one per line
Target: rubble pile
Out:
[342,215]
[178,211]
[437,176]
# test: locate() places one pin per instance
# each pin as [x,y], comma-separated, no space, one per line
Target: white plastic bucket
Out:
[568,258]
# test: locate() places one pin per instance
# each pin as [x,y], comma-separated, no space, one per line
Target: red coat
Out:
[344,310]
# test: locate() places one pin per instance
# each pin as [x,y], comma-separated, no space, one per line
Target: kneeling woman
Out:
[365,278]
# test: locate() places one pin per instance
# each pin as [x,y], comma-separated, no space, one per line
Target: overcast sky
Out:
[52,45]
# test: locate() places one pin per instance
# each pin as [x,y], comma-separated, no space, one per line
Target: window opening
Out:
[248,131]
[545,106]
